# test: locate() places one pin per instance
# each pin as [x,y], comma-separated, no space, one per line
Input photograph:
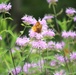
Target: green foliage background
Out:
[37,8]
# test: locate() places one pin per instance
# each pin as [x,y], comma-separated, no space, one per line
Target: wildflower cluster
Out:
[42,43]
[46,50]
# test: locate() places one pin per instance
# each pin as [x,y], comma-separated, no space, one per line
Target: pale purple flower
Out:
[39,36]
[16,71]
[62,43]
[35,35]
[34,65]
[74,19]
[26,67]
[41,63]
[5,7]
[65,34]
[39,44]
[52,1]
[44,24]
[51,45]
[48,33]
[29,19]
[0,37]
[53,63]
[38,64]
[48,16]
[22,41]
[71,34]
[57,73]
[70,11]
[61,72]
[73,56]
[60,59]
[13,50]
[9,7]
[32,34]
[59,46]
[54,45]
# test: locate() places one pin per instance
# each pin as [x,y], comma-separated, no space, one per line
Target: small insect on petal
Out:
[37,27]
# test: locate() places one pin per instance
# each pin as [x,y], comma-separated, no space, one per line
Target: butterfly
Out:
[37,27]
[66,51]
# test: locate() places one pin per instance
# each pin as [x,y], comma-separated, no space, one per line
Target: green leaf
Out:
[22,24]
[35,57]
[9,18]
[59,12]
[49,57]
[7,64]
[21,32]
[5,1]
[3,53]
[63,24]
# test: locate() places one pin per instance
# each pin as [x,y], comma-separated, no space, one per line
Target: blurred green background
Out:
[36,8]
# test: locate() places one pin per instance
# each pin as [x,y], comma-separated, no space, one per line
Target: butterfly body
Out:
[37,27]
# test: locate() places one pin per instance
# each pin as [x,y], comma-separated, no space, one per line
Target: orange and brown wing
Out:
[37,27]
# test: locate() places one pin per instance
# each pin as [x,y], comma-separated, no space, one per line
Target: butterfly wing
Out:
[37,27]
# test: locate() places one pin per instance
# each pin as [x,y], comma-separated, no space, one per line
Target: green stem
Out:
[7,65]
[6,30]
[22,54]
[23,31]
[47,60]
[54,10]
[40,59]
[13,62]
[71,64]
